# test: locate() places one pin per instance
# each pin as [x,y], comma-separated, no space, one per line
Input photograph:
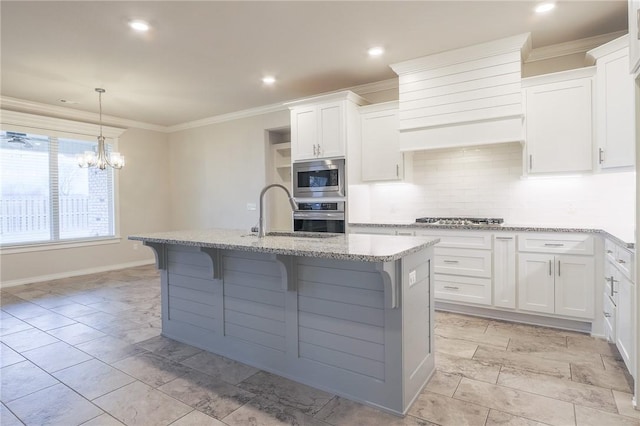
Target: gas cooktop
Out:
[460,220]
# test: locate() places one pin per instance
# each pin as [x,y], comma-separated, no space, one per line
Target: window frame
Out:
[61,128]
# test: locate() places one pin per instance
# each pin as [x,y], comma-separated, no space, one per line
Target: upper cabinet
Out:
[321,126]
[558,122]
[614,100]
[634,36]
[463,97]
[380,150]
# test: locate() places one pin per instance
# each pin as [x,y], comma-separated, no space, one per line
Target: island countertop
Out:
[365,248]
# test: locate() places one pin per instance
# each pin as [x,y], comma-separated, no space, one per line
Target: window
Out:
[45,196]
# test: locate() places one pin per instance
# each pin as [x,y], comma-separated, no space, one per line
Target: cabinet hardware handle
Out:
[609,251]
[613,280]
[450,287]
[606,314]
[397,170]
[558,268]
[600,155]
[550,264]
[504,238]
[314,150]
[621,261]
[319,153]
[638,23]
[530,161]
[553,245]
[451,261]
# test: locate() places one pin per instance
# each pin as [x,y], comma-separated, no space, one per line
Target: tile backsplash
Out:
[486,181]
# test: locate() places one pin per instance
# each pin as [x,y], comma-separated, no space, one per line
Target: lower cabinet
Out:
[556,284]
[504,271]
[625,329]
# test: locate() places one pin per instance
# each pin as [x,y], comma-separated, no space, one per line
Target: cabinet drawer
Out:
[624,260]
[463,289]
[474,263]
[464,239]
[556,243]
[609,312]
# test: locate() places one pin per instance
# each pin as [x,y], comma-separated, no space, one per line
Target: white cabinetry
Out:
[381,156]
[504,271]
[558,122]
[634,36]
[614,100]
[561,284]
[320,127]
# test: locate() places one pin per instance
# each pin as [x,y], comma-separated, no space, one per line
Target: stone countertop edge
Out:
[328,248]
[630,246]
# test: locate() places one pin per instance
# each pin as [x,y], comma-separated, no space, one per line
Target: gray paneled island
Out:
[349,314]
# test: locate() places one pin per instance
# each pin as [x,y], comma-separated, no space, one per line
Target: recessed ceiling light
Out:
[268,79]
[139,25]
[545,7]
[376,51]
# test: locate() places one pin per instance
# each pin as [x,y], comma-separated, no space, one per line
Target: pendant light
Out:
[100,158]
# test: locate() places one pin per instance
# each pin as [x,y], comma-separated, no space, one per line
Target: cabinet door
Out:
[304,133]
[504,271]
[615,109]
[559,127]
[625,322]
[381,156]
[331,126]
[536,282]
[575,284]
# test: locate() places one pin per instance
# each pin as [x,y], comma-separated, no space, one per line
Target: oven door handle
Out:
[318,215]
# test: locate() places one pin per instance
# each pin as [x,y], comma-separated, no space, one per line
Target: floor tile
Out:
[443,383]
[7,418]
[557,353]
[57,405]
[586,416]
[524,361]
[28,339]
[625,405]
[590,344]
[461,321]
[456,347]
[286,392]
[25,310]
[478,370]
[98,320]
[111,307]
[498,418]
[52,301]
[140,404]
[196,418]
[103,420]
[93,378]
[448,411]
[151,368]
[265,412]
[515,402]
[49,321]
[478,337]
[21,379]
[561,389]
[220,367]
[169,348]
[138,334]
[518,330]
[12,325]
[74,310]
[341,411]
[611,378]
[76,333]
[206,394]
[8,356]
[109,349]
[56,356]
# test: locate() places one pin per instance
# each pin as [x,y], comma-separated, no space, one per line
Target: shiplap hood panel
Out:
[468,96]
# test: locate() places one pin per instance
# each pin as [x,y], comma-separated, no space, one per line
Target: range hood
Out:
[463,97]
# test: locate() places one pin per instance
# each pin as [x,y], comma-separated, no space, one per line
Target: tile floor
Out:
[88,351]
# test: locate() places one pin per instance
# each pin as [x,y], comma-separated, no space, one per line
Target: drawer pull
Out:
[504,238]
[607,314]
[558,268]
[553,245]
[450,287]
[609,251]
[621,261]
[451,261]
[550,266]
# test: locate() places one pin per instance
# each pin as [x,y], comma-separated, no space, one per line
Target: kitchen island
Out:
[349,314]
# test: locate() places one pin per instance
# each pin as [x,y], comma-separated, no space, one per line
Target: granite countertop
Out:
[359,247]
[508,228]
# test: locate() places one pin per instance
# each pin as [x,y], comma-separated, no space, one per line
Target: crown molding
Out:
[378,86]
[585,72]
[614,45]
[571,47]
[20,105]
[23,119]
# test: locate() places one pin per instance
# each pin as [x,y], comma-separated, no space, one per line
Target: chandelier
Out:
[100,158]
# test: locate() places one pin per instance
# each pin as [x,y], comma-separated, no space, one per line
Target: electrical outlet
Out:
[251,206]
[412,277]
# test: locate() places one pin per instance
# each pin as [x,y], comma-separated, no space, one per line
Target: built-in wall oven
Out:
[321,216]
[319,178]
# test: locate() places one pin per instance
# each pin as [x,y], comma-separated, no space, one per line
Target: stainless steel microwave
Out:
[319,178]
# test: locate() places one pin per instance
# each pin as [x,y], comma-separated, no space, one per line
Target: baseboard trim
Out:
[69,274]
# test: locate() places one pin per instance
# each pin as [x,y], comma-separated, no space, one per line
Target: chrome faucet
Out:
[294,206]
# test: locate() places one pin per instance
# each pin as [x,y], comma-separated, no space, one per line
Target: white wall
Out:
[485,181]
[143,206]
[217,169]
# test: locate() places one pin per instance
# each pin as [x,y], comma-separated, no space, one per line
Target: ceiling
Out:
[206,58]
